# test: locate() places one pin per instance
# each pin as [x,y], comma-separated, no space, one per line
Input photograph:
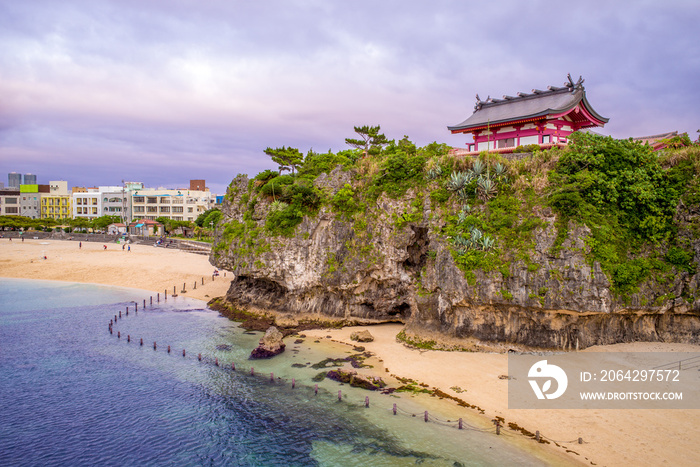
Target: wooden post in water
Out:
[136,307]
[425,416]
[199,357]
[340,395]
[183,352]
[366,401]
[233,366]
[174,290]
[315,389]
[537,436]
[216,361]
[252,371]
[168,349]
[272,377]
[119,335]
[120,313]
[202,281]
[580,441]
[460,424]
[394,409]
[141,344]
[293,383]
[154,345]
[152,298]
[128,337]
[195,285]
[498,428]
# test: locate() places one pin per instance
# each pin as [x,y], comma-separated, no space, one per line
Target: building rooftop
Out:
[528,106]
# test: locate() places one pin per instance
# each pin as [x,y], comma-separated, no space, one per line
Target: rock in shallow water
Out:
[270,345]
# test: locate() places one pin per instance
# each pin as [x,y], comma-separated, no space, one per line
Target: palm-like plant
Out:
[434,172]
[486,188]
[500,170]
[478,167]
[457,181]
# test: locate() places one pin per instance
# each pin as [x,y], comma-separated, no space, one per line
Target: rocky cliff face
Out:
[394,263]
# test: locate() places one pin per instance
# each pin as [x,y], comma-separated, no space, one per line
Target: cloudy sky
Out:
[96,91]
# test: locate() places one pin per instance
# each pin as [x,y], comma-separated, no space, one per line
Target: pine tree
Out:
[287,158]
[372,141]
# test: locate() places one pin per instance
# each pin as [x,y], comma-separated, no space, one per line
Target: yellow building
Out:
[57,203]
[56,207]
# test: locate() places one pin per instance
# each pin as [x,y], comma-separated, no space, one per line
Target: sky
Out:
[163,91]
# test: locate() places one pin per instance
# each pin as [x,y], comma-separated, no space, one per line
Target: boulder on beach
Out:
[353,379]
[270,345]
[361,336]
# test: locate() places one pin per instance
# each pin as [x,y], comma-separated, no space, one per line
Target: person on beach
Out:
[129,249]
[123,246]
[105,246]
[80,245]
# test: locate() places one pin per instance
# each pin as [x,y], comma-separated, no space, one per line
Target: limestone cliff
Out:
[396,262]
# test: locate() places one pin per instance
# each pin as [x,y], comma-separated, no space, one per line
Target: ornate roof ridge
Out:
[569,86]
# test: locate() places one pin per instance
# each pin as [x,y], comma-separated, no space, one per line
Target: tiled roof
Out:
[526,106]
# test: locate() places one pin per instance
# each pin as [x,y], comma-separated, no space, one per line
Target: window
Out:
[138,199]
[152,209]
[189,210]
[177,209]
[94,210]
[138,208]
[165,209]
[9,210]
[10,200]
[546,139]
[152,200]
[506,143]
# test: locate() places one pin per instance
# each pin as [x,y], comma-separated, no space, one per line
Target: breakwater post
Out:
[154,345]
[183,352]
[367,401]
[394,409]
[272,377]
[233,366]
[168,349]
[340,395]
[315,389]
[460,423]
[141,342]
[252,371]
[425,416]
[294,382]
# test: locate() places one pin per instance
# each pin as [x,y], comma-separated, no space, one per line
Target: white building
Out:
[179,205]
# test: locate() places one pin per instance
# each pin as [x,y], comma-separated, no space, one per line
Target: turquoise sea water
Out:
[72,394]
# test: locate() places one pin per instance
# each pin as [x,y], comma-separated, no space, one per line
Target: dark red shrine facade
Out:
[545,118]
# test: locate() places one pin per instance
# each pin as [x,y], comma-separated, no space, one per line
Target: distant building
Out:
[178,204]
[657,142]
[545,118]
[10,203]
[14,180]
[145,227]
[90,203]
[198,185]
[117,229]
[30,200]
[29,179]
[56,204]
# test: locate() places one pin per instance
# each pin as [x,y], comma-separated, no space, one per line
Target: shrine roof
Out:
[525,106]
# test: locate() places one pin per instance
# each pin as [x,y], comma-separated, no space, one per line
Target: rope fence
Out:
[459,423]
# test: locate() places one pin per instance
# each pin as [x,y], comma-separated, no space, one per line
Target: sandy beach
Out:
[611,437]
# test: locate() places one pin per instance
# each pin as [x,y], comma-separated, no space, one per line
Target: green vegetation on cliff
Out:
[622,198]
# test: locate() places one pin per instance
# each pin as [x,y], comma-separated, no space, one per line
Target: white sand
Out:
[612,437]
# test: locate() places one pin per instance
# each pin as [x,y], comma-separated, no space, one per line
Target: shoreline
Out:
[611,437]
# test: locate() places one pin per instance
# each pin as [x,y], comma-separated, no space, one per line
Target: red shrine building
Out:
[545,118]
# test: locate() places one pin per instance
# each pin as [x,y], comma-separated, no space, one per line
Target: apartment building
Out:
[179,205]
[9,202]
[56,204]
[30,200]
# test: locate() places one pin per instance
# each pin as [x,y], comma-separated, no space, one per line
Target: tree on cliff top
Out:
[372,141]
[288,158]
